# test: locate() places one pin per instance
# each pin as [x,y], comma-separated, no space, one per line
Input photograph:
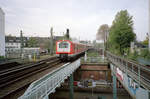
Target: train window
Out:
[63,45]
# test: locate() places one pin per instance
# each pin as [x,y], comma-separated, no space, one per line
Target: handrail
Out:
[141,71]
[47,84]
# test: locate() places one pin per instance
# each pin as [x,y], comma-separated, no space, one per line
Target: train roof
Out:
[73,42]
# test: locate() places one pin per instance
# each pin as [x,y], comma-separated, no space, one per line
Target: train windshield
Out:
[63,45]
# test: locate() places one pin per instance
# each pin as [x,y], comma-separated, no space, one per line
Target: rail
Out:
[138,72]
[11,74]
[22,73]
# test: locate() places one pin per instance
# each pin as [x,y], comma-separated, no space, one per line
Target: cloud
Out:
[83,17]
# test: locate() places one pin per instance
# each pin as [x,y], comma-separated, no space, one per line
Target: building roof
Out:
[13,39]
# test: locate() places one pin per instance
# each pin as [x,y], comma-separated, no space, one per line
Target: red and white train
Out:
[66,49]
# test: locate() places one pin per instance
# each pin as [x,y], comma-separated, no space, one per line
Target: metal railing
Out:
[138,72]
[43,87]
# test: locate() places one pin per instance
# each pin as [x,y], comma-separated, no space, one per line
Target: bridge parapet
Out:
[134,76]
[41,88]
[138,72]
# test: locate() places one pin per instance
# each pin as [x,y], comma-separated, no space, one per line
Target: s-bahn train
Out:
[67,50]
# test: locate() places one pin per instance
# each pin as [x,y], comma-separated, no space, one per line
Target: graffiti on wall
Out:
[119,74]
[132,85]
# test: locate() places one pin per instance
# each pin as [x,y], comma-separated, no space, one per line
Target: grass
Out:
[93,54]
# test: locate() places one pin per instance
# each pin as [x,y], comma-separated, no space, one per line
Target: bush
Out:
[133,56]
[145,53]
[2,57]
[93,54]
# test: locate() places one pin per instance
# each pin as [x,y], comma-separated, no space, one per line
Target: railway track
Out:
[15,78]
[6,65]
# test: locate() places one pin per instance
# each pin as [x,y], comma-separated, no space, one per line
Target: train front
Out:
[63,49]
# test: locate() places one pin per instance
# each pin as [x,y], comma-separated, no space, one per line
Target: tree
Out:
[145,42]
[102,33]
[32,42]
[121,31]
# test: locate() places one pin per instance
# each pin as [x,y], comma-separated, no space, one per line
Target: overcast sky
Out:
[82,17]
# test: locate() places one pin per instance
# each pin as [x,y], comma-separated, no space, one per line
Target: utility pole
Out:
[106,39]
[21,41]
[51,41]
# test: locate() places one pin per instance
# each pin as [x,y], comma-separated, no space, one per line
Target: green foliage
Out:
[145,53]
[121,32]
[32,42]
[2,57]
[133,56]
[93,54]
[46,44]
[145,42]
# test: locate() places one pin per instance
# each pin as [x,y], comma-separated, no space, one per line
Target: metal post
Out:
[51,42]
[92,91]
[106,72]
[46,97]
[21,44]
[67,34]
[85,57]
[103,50]
[71,86]
[126,67]
[132,68]
[114,87]
[139,73]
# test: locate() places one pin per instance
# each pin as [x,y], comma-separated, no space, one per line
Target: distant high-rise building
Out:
[2,33]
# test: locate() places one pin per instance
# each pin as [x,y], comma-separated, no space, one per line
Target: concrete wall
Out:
[93,72]
[2,33]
